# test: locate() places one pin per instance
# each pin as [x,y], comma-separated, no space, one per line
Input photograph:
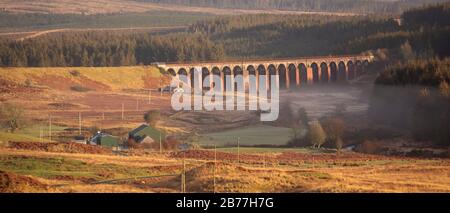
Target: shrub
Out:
[369,147]
[171,143]
[152,117]
[75,73]
[334,128]
[79,88]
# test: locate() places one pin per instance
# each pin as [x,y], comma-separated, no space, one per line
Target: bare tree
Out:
[339,144]
[316,134]
[334,128]
[11,116]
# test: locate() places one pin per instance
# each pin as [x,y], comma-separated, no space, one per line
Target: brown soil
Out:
[60,147]
[154,82]
[209,155]
[72,178]
[9,87]
[283,158]
[62,105]
[11,182]
[62,83]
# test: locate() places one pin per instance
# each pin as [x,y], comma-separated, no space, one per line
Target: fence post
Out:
[122,111]
[214,173]
[149,96]
[160,144]
[102,122]
[79,123]
[313,163]
[41,134]
[50,128]
[184,175]
[238,152]
[264,160]
[160,87]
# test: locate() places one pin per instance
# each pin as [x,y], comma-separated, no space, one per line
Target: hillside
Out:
[353,6]
[67,78]
[244,36]
[87,7]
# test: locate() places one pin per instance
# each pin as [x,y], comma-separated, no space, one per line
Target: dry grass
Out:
[388,175]
[116,78]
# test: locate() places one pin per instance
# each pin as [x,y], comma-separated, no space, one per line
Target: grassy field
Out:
[6,136]
[117,20]
[55,167]
[72,172]
[253,135]
[270,150]
[31,133]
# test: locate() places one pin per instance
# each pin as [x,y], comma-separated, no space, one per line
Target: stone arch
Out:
[282,73]
[315,72]
[192,77]
[272,70]
[292,73]
[324,74]
[215,71]
[182,71]
[205,74]
[171,72]
[342,71]
[183,75]
[365,63]
[333,72]
[226,71]
[237,70]
[261,69]
[302,70]
[358,68]
[252,71]
[350,70]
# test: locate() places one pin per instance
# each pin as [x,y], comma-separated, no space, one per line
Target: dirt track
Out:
[33,34]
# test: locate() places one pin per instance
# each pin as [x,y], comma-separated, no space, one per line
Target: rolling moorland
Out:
[380,128]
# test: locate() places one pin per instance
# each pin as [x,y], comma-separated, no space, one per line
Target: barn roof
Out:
[145,130]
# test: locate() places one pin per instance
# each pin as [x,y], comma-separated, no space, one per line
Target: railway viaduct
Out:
[291,72]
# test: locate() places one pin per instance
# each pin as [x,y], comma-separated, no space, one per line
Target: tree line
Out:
[246,36]
[107,49]
[52,20]
[413,94]
[251,36]
[355,6]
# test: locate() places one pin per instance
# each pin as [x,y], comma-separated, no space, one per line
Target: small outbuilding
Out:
[103,139]
[146,134]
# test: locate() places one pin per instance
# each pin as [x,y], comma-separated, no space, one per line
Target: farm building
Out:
[103,139]
[146,134]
